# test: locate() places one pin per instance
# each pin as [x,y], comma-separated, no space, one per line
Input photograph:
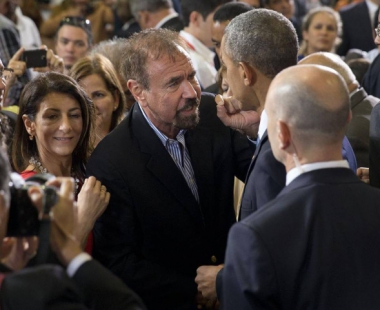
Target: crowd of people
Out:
[210,154]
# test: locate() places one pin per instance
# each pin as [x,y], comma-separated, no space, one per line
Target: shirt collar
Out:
[159,134]
[165,19]
[198,46]
[297,171]
[372,8]
[263,124]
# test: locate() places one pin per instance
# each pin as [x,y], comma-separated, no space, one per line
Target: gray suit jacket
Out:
[358,129]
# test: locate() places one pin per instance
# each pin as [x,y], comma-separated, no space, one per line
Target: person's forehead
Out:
[72,32]
[168,65]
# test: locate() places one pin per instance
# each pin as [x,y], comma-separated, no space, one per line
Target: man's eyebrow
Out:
[174,79]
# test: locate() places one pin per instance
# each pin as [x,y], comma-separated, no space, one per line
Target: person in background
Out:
[112,49]
[54,134]
[361,104]
[198,19]
[257,4]
[98,78]
[99,15]
[286,8]
[156,14]
[73,40]
[321,30]
[359,21]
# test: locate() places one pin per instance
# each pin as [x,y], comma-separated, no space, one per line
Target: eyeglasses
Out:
[76,21]
[6,74]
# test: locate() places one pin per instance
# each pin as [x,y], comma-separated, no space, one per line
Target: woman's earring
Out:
[31,138]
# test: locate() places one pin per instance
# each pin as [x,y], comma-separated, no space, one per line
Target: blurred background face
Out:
[71,45]
[321,34]
[8,7]
[206,26]
[285,7]
[253,3]
[103,99]
[217,32]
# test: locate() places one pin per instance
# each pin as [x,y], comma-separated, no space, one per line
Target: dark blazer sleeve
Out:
[103,290]
[374,147]
[244,290]
[49,287]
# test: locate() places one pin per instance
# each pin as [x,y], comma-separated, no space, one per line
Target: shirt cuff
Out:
[76,263]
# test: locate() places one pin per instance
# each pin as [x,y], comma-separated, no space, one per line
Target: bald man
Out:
[316,246]
[361,104]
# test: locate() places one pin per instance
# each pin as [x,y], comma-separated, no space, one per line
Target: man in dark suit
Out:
[361,104]
[315,245]
[251,66]
[358,26]
[156,14]
[84,284]
[170,168]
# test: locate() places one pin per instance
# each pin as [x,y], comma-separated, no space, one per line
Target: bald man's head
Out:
[334,62]
[313,102]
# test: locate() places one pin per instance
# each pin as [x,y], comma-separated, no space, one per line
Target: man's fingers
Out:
[18,54]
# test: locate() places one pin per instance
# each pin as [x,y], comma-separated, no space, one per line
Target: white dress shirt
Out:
[202,58]
[297,171]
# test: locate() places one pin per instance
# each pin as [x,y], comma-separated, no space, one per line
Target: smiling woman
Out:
[54,134]
[98,78]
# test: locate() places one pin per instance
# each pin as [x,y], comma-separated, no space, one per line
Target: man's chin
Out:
[187,122]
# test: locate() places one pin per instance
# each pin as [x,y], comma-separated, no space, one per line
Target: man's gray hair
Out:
[264,39]
[149,5]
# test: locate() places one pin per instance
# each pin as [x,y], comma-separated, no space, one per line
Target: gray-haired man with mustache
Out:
[170,168]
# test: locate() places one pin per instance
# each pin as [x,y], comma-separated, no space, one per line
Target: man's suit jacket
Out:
[175,24]
[358,129]
[266,176]
[357,28]
[154,234]
[316,246]
[374,147]
[49,287]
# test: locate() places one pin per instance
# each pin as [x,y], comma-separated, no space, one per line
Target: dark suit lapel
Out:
[263,140]
[199,144]
[161,164]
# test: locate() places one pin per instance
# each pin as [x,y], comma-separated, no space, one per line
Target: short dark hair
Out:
[230,10]
[31,97]
[80,22]
[204,7]
[149,5]
[263,39]
[146,45]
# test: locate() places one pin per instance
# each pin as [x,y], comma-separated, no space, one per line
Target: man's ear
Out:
[29,125]
[143,19]
[284,136]
[195,18]
[137,91]
[247,73]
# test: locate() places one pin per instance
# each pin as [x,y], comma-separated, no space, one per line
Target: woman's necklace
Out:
[37,164]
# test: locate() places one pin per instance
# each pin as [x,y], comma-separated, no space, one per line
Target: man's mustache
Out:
[189,103]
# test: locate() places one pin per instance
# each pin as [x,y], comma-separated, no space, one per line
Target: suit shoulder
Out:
[353,8]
